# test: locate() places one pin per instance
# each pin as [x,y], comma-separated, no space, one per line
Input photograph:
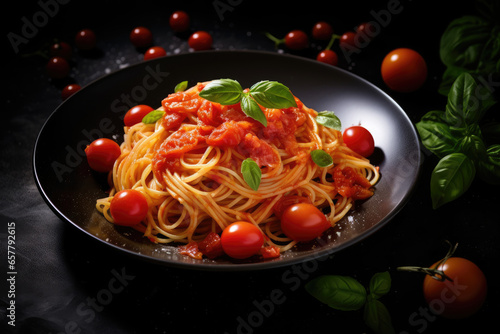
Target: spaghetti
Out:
[188,166]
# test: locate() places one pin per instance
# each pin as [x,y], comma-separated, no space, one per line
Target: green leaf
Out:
[489,168]
[329,119]
[181,86]
[451,177]
[436,135]
[339,292]
[252,109]
[153,116]
[380,284]
[473,147]
[223,91]
[377,317]
[251,173]
[272,94]
[321,158]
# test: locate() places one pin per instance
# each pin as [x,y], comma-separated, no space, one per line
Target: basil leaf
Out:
[473,147]
[380,284]
[329,119]
[272,94]
[436,135]
[251,173]
[223,91]
[153,116]
[377,317]
[321,158]
[181,86]
[451,177]
[339,292]
[489,168]
[252,109]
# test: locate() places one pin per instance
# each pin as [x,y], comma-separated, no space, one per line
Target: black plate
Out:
[71,189]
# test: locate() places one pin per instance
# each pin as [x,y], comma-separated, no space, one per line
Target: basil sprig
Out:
[455,136]
[153,116]
[347,294]
[251,173]
[321,158]
[269,94]
[329,119]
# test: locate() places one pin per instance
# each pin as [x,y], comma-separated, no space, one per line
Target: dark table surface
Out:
[64,278]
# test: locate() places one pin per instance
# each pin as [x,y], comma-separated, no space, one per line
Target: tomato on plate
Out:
[359,139]
[461,297]
[102,154]
[128,207]
[135,114]
[404,70]
[241,240]
[303,222]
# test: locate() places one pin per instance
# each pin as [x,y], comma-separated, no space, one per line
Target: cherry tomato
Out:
[364,28]
[360,140]
[200,40]
[128,207]
[57,67]
[102,154]
[135,114]
[328,57]
[179,21]
[348,39]
[241,240]
[461,297]
[155,52]
[85,39]
[296,40]
[303,222]
[61,49]
[141,37]
[404,70]
[69,90]
[286,201]
[322,30]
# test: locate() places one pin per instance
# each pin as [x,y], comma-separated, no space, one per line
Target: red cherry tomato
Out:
[348,39]
[141,37]
[135,114]
[61,49]
[200,40]
[179,21]
[102,154]
[404,70]
[360,140]
[296,40]
[57,67]
[155,52]
[322,30]
[303,222]
[241,240]
[85,39]
[128,207]
[328,57]
[69,90]
[461,297]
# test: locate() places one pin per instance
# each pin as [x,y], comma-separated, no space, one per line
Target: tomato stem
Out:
[276,40]
[332,39]
[434,272]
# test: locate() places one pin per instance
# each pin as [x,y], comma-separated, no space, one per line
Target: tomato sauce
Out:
[350,184]
[224,126]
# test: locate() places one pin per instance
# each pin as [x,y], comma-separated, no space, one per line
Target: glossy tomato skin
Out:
[69,90]
[135,114]
[57,67]
[404,70]
[296,40]
[128,207]
[348,39]
[61,49]
[200,40]
[458,299]
[85,39]
[360,140]
[154,52]
[102,154]
[179,21]
[322,30]
[328,57]
[141,37]
[241,240]
[303,222]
